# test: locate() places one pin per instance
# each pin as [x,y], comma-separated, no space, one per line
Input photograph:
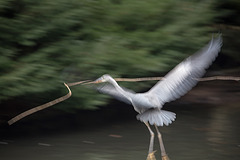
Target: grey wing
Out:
[185,75]
[109,89]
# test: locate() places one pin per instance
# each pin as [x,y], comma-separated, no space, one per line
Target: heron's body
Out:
[174,85]
[144,102]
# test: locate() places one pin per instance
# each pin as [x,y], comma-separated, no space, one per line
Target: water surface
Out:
[208,132]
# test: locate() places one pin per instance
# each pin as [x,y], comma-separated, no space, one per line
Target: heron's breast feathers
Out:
[144,101]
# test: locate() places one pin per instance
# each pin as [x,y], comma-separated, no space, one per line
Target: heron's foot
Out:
[165,157]
[151,156]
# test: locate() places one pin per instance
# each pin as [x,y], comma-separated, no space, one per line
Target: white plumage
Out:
[174,85]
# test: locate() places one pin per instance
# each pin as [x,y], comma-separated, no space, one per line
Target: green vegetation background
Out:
[45,43]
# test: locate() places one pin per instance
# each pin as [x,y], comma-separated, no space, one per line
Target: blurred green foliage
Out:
[44,43]
[229,21]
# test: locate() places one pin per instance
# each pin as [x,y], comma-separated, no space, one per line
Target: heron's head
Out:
[103,78]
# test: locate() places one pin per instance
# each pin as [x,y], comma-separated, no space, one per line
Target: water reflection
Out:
[223,136]
[200,132]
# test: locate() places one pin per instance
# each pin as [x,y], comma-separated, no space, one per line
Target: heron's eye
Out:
[104,77]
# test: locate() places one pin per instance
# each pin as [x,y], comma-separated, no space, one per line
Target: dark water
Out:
[200,132]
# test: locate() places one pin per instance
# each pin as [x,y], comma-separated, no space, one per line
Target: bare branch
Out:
[139,79]
[228,78]
[63,98]
[77,83]
[223,78]
[41,107]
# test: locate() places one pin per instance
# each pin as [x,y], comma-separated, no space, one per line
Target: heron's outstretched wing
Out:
[185,75]
[109,89]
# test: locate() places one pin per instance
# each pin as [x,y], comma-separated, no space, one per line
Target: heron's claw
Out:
[151,156]
[165,157]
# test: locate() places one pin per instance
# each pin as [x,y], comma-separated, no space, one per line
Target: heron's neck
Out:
[115,84]
[120,90]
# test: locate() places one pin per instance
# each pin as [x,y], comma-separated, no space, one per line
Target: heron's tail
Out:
[157,116]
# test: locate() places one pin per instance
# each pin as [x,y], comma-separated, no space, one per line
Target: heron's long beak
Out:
[99,80]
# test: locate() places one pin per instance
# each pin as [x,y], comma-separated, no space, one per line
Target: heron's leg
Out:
[163,152]
[151,138]
[150,151]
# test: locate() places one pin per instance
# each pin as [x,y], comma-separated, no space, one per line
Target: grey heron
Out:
[175,84]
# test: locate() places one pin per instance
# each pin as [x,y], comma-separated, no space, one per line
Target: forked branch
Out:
[63,98]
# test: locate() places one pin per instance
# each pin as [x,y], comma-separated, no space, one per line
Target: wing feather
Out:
[185,75]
